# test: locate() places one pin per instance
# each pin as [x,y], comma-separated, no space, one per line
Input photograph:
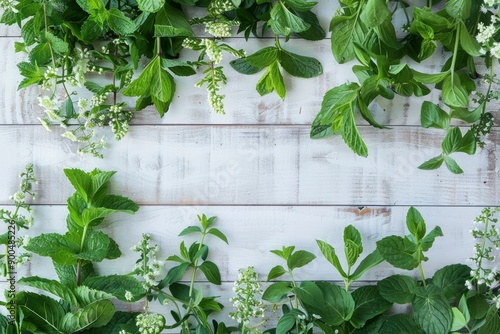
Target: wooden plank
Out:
[243,104]
[256,165]
[254,231]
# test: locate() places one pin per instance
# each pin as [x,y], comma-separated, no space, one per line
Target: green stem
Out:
[421,270]
[455,53]
[277,42]
[158,46]
[79,264]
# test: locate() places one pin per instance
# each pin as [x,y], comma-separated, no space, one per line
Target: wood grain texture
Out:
[256,165]
[254,231]
[243,104]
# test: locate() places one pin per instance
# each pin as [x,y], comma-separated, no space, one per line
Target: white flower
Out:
[128,295]
[495,50]
[485,33]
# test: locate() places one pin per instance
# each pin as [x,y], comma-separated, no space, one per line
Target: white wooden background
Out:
[255,168]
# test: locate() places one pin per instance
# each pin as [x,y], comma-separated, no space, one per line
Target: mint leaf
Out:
[398,289]
[91,316]
[369,303]
[431,310]
[151,6]
[283,22]
[351,135]
[272,80]
[119,23]
[398,251]
[300,66]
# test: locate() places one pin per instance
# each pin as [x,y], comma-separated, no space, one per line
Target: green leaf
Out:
[339,304]
[189,230]
[334,103]
[276,272]
[310,294]
[287,322]
[283,22]
[81,181]
[375,13]
[52,286]
[156,81]
[452,165]
[428,240]
[459,9]
[151,6]
[429,78]
[299,259]
[272,80]
[433,116]
[301,5]
[58,45]
[454,142]
[454,93]
[353,246]
[300,66]
[370,261]
[468,116]
[347,30]
[263,58]
[87,296]
[315,31]
[492,324]
[241,65]
[459,321]
[398,251]
[369,304]
[400,323]
[367,115]
[415,223]
[451,280]
[43,312]
[211,272]
[94,216]
[170,31]
[433,163]
[398,289]
[60,249]
[91,316]
[431,310]
[120,321]
[218,234]
[351,135]
[174,275]
[276,292]
[467,42]
[329,253]
[117,203]
[117,285]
